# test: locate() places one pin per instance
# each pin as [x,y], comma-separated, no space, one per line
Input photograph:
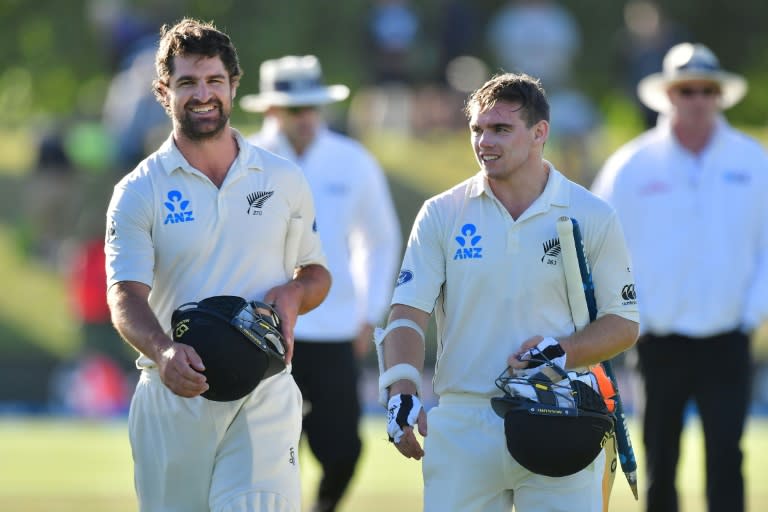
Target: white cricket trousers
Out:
[466,466]
[196,455]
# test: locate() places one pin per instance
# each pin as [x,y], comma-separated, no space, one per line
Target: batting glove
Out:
[547,351]
[402,411]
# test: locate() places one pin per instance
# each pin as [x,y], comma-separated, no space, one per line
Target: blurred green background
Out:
[55,58]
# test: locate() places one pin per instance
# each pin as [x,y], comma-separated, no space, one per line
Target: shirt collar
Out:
[171,159]
[555,192]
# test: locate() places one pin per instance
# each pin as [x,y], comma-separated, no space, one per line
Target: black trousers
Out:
[715,373]
[327,375]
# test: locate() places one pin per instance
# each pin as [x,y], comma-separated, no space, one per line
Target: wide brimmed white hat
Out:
[292,81]
[686,62]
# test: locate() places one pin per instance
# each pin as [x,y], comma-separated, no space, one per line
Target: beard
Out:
[202,129]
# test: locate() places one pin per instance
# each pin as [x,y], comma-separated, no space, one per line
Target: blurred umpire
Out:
[691,194]
[206,220]
[361,238]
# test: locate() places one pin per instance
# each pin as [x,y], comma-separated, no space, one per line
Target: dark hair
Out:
[513,88]
[192,37]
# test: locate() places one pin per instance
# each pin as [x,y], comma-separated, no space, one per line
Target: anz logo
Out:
[178,208]
[468,240]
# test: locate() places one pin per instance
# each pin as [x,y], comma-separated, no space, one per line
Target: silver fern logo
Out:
[256,201]
[551,251]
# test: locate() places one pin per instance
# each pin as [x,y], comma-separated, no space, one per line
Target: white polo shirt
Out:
[494,282]
[697,229]
[358,226]
[171,228]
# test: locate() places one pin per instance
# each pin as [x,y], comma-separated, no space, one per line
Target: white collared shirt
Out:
[494,282]
[171,228]
[358,227]
[696,227]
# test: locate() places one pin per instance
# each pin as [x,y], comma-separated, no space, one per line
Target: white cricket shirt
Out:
[171,228]
[696,227]
[494,282]
[357,225]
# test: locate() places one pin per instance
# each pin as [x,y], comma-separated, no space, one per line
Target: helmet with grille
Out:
[239,342]
[555,422]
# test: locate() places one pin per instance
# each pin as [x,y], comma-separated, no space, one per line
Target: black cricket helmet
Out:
[555,422]
[239,343]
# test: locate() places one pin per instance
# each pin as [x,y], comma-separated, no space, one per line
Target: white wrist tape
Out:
[402,411]
[386,377]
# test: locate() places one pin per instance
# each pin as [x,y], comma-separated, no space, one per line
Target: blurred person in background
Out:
[691,194]
[542,38]
[538,37]
[458,28]
[641,44]
[63,231]
[392,31]
[362,241]
[131,115]
[51,200]
[95,382]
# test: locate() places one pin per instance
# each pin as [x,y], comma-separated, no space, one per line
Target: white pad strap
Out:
[402,371]
[378,338]
[379,334]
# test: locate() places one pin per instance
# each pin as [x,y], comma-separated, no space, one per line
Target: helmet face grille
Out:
[234,363]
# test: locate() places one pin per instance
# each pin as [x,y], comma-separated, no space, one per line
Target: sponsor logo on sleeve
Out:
[404,277]
[628,294]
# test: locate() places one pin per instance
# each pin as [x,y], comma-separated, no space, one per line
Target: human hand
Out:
[536,351]
[403,412]
[286,300]
[180,370]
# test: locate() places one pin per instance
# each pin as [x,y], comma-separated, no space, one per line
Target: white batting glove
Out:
[402,411]
[547,351]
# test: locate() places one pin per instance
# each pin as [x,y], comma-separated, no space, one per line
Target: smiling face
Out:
[199,96]
[503,142]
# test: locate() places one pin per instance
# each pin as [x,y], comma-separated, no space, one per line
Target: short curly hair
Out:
[192,37]
[513,88]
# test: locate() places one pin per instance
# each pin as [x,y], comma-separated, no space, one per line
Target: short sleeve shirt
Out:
[696,229]
[171,228]
[494,281]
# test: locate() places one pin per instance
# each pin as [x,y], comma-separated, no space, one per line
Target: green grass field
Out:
[54,465]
